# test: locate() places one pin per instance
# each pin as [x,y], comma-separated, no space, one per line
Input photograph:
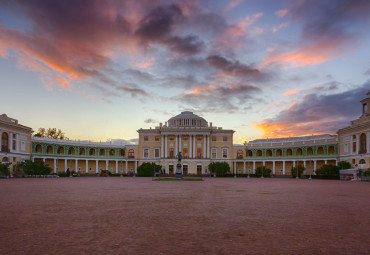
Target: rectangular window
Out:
[14,144]
[23,145]
[199,138]
[171,138]
[146,153]
[346,147]
[225,139]
[224,153]
[214,153]
[14,159]
[156,152]
[354,149]
[213,138]
[145,138]
[185,138]
[157,138]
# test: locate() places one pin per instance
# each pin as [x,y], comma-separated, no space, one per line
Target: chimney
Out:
[210,124]
[160,124]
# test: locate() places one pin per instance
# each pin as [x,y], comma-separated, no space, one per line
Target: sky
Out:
[101,70]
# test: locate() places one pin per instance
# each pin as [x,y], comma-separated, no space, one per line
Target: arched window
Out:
[279,153]
[82,151]
[122,152]
[362,143]
[92,152]
[60,150]
[309,151]
[38,148]
[299,152]
[71,151]
[268,153]
[320,150]
[239,154]
[331,150]
[249,153]
[102,152]
[289,152]
[259,153]
[5,142]
[49,150]
[131,153]
[112,152]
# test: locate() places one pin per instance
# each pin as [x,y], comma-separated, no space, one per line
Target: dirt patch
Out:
[216,216]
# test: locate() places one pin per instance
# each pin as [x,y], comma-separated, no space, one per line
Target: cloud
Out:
[367,72]
[190,44]
[292,92]
[232,4]
[148,121]
[232,68]
[329,30]
[315,114]
[218,98]
[281,13]
[280,26]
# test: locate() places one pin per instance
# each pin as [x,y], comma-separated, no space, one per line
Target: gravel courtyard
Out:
[216,216]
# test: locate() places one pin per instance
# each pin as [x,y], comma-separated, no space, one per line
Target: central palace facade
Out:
[200,144]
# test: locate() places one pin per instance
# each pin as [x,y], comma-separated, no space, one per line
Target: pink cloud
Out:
[292,92]
[63,83]
[281,13]
[232,4]
[280,26]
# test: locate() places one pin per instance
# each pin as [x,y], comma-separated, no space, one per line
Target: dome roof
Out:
[187,119]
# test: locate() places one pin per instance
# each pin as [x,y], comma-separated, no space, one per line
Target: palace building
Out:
[199,142]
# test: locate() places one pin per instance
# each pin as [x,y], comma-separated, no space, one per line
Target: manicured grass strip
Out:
[177,179]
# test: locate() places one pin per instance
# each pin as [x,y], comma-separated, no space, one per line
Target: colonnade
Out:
[76,160]
[179,145]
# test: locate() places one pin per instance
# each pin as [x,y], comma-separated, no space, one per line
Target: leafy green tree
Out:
[328,170]
[261,169]
[34,168]
[344,165]
[51,133]
[4,169]
[298,168]
[147,169]
[220,168]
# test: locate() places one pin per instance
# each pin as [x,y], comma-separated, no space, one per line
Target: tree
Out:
[344,165]
[261,169]
[220,168]
[34,168]
[298,168]
[328,170]
[51,133]
[4,169]
[147,169]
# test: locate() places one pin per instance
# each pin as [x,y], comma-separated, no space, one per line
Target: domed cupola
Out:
[187,119]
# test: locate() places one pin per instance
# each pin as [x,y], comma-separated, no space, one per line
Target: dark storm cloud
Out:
[190,44]
[232,68]
[157,25]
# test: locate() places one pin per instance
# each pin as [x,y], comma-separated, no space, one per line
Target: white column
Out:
[273,167]
[207,146]
[135,167]
[87,166]
[304,163]
[244,169]
[43,159]
[284,167]
[126,170]
[314,165]
[76,165]
[97,166]
[254,167]
[180,145]
[162,149]
[55,166]
[116,166]
[293,163]
[326,161]
[195,147]
[190,148]
[65,165]
[11,143]
[165,146]
[204,146]
[106,165]
[16,143]
[177,147]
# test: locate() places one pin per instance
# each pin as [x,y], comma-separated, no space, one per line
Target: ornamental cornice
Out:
[195,132]
[356,128]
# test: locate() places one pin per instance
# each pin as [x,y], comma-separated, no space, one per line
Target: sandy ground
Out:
[216,216]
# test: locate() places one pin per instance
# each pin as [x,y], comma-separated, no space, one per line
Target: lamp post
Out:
[310,171]
[262,173]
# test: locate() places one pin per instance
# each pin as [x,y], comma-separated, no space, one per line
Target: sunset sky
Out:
[100,70]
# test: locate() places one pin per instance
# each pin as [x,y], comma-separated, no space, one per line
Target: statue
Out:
[178,166]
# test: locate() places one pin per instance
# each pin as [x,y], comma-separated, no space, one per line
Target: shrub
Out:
[34,168]
[261,169]
[344,165]
[220,168]
[4,169]
[328,170]
[298,168]
[147,169]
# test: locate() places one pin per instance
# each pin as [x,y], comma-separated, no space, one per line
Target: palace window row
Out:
[290,152]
